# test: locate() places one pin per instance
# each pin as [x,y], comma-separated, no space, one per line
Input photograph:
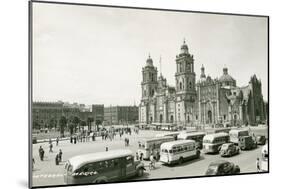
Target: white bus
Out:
[178,151]
[152,145]
[101,167]
[196,136]
[213,142]
[264,158]
[235,134]
[171,134]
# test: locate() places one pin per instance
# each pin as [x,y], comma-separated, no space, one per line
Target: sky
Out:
[95,55]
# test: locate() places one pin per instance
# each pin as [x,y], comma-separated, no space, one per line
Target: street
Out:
[46,172]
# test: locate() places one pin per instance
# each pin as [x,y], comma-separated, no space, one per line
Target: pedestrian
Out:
[71,139]
[157,156]
[51,147]
[141,156]
[75,139]
[41,154]
[137,156]
[93,137]
[57,140]
[128,141]
[152,162]
[33,163]
[57,159]
[258,164]
[60,155]
[106,148]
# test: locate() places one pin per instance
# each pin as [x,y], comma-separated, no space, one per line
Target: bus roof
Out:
[167,134]
[80,160]
[155,138]
[214,135]
[238,130]
[169,145]
[184,135]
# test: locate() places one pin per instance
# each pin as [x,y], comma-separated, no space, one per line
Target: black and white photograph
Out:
[129,94]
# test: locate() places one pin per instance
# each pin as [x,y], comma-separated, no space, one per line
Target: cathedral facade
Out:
[195,103]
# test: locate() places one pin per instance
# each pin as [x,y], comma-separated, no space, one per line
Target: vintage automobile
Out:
[261,140]
[222,167]
[247,143]
[229,149]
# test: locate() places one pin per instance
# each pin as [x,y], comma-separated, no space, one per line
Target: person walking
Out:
[51,147]
[137,156]
[60,155]
[41,153]
[106,148]
[258,164]
[57,159]
[57,140]
[33,163]
[141,156]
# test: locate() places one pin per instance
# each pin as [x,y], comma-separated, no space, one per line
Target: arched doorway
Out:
[234,119]
[209,116]
[172,119]
[161,118]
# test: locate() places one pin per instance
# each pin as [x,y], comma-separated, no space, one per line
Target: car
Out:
[222,167]
[260,139]
[229,149]
[247,143]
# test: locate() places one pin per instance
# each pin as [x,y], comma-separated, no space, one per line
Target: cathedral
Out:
[205,102]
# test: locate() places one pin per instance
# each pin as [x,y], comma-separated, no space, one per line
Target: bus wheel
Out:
[140,172]
[180,160]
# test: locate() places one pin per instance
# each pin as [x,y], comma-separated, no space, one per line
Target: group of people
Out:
[41,151]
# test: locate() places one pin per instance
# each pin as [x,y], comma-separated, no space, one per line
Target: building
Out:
[45,114]
[204,102]
[98,113]
[118,115]
[48,114]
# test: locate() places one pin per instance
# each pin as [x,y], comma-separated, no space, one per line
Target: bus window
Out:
[129,161]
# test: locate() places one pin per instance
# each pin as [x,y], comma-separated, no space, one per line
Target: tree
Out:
[76,121]
[62,124]
[89,122]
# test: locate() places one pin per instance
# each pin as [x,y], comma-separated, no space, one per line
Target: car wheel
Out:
[180,160]
[140,172]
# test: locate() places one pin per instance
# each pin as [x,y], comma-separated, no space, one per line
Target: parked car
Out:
[261,140]
[247,143]
[222,167]
[229,149]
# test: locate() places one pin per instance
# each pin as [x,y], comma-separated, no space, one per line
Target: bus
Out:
[178,151]
[102,167]
[152,146]
[172,134]
[196,136]
[218,130]
[213,142]
[235,134]
[264,159]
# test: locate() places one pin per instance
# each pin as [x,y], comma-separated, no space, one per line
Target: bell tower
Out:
[149,79]
[185,86]
[185,75]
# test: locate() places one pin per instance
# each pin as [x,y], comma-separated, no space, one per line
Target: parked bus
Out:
[196,136]
[152,145]
[264,158]
[171,134]
[102,167]
[219,130]
[178,151]
[213,142]
[235,134]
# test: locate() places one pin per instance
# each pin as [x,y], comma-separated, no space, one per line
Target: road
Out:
[46,172]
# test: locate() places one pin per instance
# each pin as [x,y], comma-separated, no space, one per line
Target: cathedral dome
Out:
[226,79]
[184,48]
[149,61]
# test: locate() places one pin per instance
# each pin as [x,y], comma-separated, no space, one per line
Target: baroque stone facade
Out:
[205,102]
